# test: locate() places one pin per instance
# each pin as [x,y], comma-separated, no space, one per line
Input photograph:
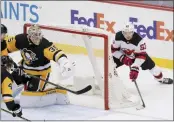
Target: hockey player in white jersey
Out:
[129,49]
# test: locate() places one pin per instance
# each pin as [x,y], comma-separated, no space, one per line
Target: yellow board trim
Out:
[72,49]
[29,93]
[78,50]
[165,63]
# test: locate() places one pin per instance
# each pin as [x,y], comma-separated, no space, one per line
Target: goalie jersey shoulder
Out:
[135,39]
[45,43]
[21,41]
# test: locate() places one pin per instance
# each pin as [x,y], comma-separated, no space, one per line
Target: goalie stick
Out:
[12,114]
[84,90]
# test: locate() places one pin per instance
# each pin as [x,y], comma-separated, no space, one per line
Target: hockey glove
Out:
[66,67]
[17,111]
[134,72]
[126,60]
[19,71]
[20,77]
[8,62]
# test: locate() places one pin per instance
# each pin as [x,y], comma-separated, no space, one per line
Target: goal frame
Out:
[106,51]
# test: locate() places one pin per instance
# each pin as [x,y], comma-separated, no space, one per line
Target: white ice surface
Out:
[158,99]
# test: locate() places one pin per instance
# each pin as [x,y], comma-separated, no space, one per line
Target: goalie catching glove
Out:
[66,67]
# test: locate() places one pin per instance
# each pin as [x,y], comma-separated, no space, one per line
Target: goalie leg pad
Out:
[30,99]
[62,97]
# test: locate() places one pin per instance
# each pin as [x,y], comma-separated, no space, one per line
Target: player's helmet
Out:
[3,31]
[128,30]
[35,34]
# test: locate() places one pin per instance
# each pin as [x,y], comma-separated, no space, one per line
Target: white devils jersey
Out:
[134,48]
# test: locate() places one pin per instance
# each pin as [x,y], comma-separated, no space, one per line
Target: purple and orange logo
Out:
[96,21]
[154,31]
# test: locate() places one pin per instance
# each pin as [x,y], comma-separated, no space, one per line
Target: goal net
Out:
[89,49]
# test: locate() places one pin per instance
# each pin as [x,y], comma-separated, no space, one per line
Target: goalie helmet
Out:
[35,34]
[128,30]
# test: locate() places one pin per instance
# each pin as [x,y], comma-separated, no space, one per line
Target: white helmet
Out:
[35,34]
[128,30]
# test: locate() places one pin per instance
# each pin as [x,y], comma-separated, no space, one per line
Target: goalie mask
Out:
[35,34]
[128,31]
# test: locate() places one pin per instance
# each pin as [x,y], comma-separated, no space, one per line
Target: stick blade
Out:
[140,107]
[86,89]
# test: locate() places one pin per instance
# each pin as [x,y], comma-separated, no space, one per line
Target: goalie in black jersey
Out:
[129,49]
[6,78]
[36,53]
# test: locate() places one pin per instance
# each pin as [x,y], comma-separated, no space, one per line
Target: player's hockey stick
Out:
[17,116]
[84,90]
[139,95]
[143,106]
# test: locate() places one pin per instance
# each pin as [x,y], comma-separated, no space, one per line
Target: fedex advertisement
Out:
[97,20]
[155,31]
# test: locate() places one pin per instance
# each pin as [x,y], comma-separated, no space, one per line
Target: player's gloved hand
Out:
[20,77]
[126,60]
[19,71]
[134,71]
[8,62]
[66,67]
[17,111]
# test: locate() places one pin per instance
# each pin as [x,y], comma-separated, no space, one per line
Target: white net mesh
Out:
[89,54]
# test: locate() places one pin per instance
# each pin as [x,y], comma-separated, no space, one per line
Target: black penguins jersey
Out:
[4,48]
[6,88]
[35,58]
[134,48]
